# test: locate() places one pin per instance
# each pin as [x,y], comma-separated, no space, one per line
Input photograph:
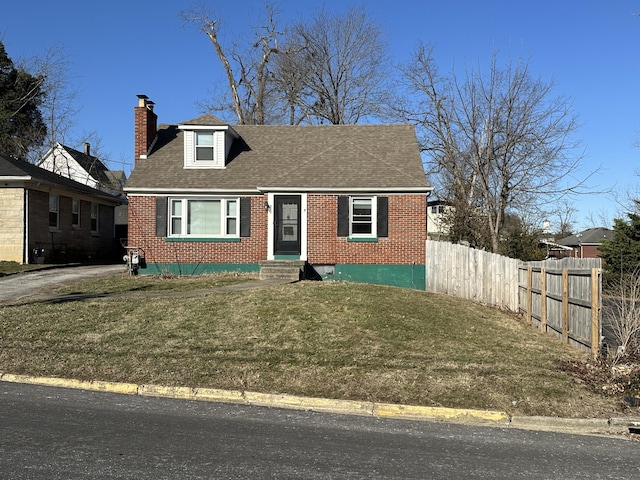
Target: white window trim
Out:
[303,224]
[190,150]
[374,216]
[184,217]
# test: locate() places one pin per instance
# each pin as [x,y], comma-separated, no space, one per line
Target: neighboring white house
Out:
[437,219]
[83,168]
[89,170]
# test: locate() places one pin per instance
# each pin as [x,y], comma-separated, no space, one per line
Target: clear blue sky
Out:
[117,49]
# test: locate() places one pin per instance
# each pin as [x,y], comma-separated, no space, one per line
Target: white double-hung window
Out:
[363,217]
[204,217]
[204,147]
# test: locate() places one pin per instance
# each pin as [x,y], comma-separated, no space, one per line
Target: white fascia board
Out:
[210,127]
[24,178]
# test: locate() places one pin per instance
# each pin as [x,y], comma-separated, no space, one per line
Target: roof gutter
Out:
[425,190]
[262,190]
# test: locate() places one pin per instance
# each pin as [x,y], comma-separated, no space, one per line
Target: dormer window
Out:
[204,147]
[207,145]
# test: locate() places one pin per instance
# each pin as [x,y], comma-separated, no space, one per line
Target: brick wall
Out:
[69,244]
[588,251]
[142,233]
[404,245]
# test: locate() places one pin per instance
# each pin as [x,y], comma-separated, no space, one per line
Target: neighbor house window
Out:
[95,209]
[437,209]
[204,217]
[54,211]
[75,213]
[362,217]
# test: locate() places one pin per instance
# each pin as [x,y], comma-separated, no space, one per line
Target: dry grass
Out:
[13,267]
[323,339]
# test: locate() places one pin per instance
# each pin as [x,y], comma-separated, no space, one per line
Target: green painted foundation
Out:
[197,268]
[406,276]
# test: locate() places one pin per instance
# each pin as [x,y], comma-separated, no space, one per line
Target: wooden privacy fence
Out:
[563,298]
[472,274]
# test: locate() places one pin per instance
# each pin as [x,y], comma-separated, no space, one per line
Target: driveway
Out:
[40,284]
[37,283]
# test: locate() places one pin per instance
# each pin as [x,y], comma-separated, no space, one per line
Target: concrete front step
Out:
[284,269]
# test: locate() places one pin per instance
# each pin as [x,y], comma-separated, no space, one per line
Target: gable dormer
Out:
[207,142]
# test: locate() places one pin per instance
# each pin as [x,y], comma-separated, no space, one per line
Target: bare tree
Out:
[248,71]
[336,70]
[565,216]
[332,69]
[622,310]
[58,107]
[495,142]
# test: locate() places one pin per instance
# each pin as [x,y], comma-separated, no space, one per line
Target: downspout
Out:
[426,242]
[25,222]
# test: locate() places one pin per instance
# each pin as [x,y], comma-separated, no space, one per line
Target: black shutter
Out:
[161,216]
[343,216]
[383,216]
[245,217]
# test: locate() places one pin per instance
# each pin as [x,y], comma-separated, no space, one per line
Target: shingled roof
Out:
[591,236]
[377,158]
[96,168]
[14,170]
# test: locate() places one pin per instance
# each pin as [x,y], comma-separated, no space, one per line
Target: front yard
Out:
[318,339]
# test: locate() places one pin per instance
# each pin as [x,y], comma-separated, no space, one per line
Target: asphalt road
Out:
[53,433]
[32,284]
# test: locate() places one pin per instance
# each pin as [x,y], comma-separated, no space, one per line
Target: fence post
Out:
[565,305]
[543,300]
[595,312]
[529,294]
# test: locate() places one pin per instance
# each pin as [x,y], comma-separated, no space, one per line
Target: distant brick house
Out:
[49,218]
[585,244]
[342,201]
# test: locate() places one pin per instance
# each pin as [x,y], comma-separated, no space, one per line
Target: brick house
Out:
[49,218]
[85,168]
[585,244]
[344,202]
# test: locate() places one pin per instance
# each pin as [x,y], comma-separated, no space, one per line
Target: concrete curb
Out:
[618,425]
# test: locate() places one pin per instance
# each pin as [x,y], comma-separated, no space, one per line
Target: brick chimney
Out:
[146,125]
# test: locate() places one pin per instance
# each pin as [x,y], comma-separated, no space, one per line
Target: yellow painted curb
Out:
[112,387]
[347,407]
[162,391]
[308,403]
[438,413]
[217,395]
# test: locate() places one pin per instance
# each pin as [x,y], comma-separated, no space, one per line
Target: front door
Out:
[287,225]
